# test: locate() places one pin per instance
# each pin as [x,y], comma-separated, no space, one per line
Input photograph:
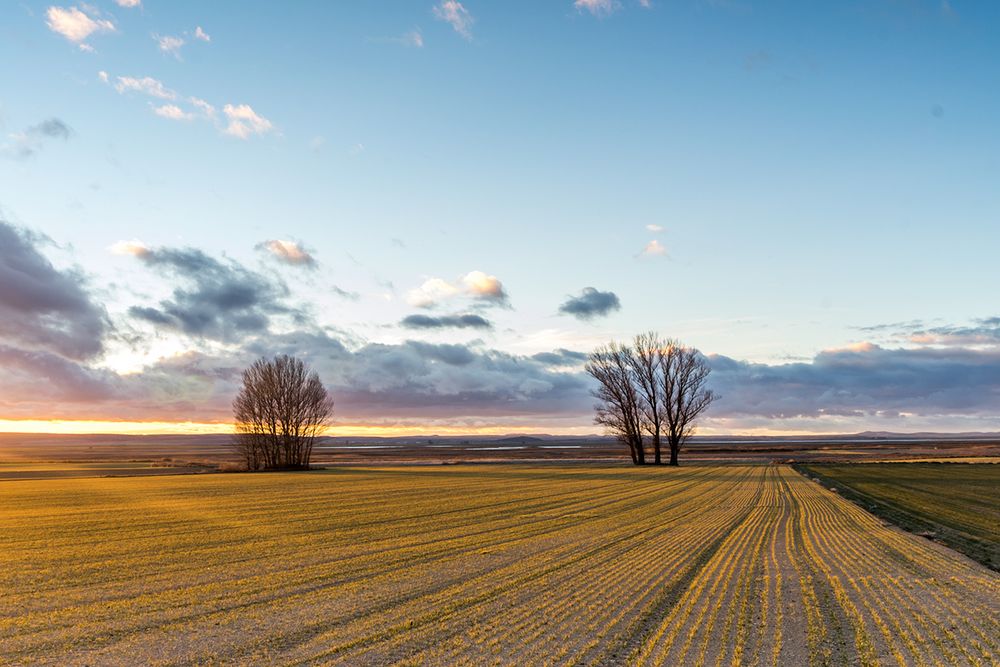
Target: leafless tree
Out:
[280,410]
[618,408]
[654,387]
[683,375]
[646,361]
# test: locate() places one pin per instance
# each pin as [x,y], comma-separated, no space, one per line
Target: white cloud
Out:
[654,249]
[202,35]
[207,109]
[453,13]
[289,252]
[103,76]
[128,3]
[146,85]
[77,25]
[431,292]
[475,284]
[646,3]
[133,248]
[596,7]
[169,44]
[656,229]
[173,112]
[244,121]
[483,286]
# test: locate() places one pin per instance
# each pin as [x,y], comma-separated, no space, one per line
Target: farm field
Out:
[498,564]
[958,504]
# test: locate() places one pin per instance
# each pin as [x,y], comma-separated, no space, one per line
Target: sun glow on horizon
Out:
[354,430]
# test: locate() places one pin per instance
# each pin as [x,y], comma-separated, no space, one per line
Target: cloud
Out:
[219,300]
[862,380]
[289,252]
[597,7]
[147,85]
[206,109]
[560,357]
[456,15]
[76,24]
[413,38]
[133,248]
[173,112]
[465,321]
[25,144]
[128,3]
[201,34]
[353,296]
[43,309]
[169,44]
[980,332]
[484,287]
[479,286]
[653,249]
[591,303]
[656,229]
[244,121]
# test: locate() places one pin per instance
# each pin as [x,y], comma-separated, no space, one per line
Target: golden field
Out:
[489,564]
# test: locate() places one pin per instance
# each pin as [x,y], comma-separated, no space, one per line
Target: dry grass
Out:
[477,565]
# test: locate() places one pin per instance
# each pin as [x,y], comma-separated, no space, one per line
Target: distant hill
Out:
[522,440]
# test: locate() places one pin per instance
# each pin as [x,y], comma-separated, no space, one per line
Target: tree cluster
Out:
[650,391]
[281,409]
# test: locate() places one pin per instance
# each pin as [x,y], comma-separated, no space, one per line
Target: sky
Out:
[443,206]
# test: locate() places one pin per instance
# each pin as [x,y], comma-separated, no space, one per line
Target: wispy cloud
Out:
[128,3]
[77,23]
[23,145]
[456,15]
[147,85]
[596,7]
[289,252]
[173,112]
[656,229]
[245,122]
[653,249]
[169,44]
[204,107]
[201,34]
[241,121]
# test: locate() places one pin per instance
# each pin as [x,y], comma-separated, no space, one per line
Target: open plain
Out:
[502,564]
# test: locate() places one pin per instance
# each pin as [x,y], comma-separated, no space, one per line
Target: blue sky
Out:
[770,182]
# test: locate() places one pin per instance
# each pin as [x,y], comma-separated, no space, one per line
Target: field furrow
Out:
[477,565]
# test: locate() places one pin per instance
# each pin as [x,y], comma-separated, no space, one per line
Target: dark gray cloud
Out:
[29,142]
[862,380]
[416,379]
[221,300]
[560,357]
[591,303]
[464,321]
[43,308]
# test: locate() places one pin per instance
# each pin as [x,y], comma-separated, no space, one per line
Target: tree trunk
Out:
[641,453]
[656,449]
[673,454]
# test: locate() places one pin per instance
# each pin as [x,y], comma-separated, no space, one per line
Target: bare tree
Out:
[683,375]
[654,387]
[646,361]
[618,408]
[280,410]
